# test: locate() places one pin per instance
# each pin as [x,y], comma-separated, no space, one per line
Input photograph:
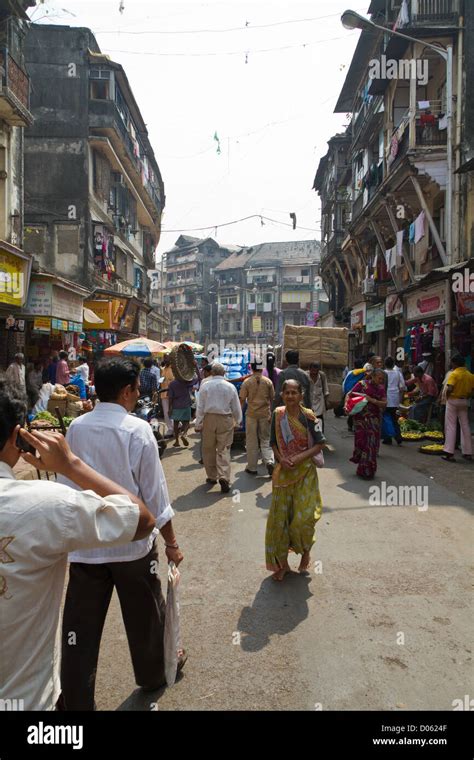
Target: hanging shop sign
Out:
[429,302]
[393,305]
[142,326]
[14,278]
[48,300]
[375,319]
[42,324]
[358,316]
[128,320]
[59,325]
[256,325]
[465,305]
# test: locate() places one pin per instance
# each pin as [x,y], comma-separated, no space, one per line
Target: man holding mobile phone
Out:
[40,522]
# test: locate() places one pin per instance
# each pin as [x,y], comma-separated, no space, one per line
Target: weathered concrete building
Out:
[265,287]
[15,115]
[95,195]
[190,292]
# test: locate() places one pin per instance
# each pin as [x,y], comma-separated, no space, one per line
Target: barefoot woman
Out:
[296,502]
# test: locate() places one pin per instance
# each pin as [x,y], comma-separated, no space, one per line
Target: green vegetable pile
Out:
[48,417]
[412,426]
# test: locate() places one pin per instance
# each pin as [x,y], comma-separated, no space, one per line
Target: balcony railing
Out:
[15,92]
[434,11]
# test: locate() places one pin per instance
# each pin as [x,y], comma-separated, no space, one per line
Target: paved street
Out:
[383,622]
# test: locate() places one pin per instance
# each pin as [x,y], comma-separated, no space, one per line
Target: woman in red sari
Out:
[368,423]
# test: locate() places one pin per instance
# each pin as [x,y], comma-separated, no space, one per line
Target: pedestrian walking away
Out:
[42,521]
[395,388]
[121,446]
[179,398]
[218,412]
[293,372]
[258,393]
[296,506]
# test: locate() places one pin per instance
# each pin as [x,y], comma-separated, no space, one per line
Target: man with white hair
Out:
[218,411]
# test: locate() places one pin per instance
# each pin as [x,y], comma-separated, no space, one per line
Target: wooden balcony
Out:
[14,92]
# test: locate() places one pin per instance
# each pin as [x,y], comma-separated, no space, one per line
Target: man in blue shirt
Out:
[148,381]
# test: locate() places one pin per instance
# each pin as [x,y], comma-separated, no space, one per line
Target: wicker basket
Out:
[182,362]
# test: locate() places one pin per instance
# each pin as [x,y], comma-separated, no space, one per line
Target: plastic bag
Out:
[172,637]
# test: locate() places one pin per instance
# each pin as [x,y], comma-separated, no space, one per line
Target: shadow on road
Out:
[140,701]
[278,608]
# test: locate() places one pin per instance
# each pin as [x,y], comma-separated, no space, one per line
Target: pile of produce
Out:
[46,419]
[415,431]
[433,448]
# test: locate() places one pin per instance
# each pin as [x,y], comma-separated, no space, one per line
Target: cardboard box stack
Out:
[326,345]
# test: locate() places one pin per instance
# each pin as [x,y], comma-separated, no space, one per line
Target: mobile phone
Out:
[24,446]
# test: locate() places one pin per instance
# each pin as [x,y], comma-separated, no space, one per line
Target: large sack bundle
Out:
[326,345]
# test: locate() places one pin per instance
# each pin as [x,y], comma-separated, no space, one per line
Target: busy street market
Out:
[236,371]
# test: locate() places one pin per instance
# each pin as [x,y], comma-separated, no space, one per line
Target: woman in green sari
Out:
[296,437]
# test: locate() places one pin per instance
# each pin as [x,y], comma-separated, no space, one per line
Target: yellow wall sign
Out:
[13,278]
[257,324]
[42,324]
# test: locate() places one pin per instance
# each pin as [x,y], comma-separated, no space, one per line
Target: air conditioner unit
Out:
[368,287]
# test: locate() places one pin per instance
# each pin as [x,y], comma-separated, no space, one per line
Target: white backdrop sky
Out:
[273,115]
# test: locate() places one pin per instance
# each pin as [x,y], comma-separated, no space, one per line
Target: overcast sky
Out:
[273,114]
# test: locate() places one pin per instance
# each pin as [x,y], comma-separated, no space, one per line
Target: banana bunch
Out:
[413,436]
[434,435]
[433,448]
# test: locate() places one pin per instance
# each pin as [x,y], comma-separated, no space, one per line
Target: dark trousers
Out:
[392,410]
[87,601]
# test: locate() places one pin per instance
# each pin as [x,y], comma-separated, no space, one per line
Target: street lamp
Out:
[352,20]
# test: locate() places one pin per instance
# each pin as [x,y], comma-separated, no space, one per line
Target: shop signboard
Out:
[375,319]
[128,321]
[256,325]
[103,310]
[358,316]
[393,305]
[465,305]
[59,325]
[66,304]
[14,278]
[142,322]
[42,324]
[40,298]
[426,303]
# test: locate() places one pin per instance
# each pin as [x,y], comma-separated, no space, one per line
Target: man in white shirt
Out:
[121,447]
[82,370]
[40,522]
[395,387]
[16,371]
[218,411]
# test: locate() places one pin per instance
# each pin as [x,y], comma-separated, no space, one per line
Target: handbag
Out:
[317,459]
[355,404]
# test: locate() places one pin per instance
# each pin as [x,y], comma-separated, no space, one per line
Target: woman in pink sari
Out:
[368,423]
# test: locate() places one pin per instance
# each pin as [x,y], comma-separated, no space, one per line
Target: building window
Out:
[35,239]
[67,239]
[268,324]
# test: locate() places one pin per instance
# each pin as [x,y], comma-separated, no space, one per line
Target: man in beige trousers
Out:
[258,392]
[218,412]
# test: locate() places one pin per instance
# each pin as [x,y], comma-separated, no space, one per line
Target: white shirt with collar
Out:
[83,371]
[218,396]
[40,522]
[123,448]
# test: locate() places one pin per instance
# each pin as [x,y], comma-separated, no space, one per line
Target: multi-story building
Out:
[15,115]
[190,294]
[95,194]
[264,287]
[385,262]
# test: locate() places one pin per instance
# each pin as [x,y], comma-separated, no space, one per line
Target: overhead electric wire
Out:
[229,52]
[245,27]
[244,219]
